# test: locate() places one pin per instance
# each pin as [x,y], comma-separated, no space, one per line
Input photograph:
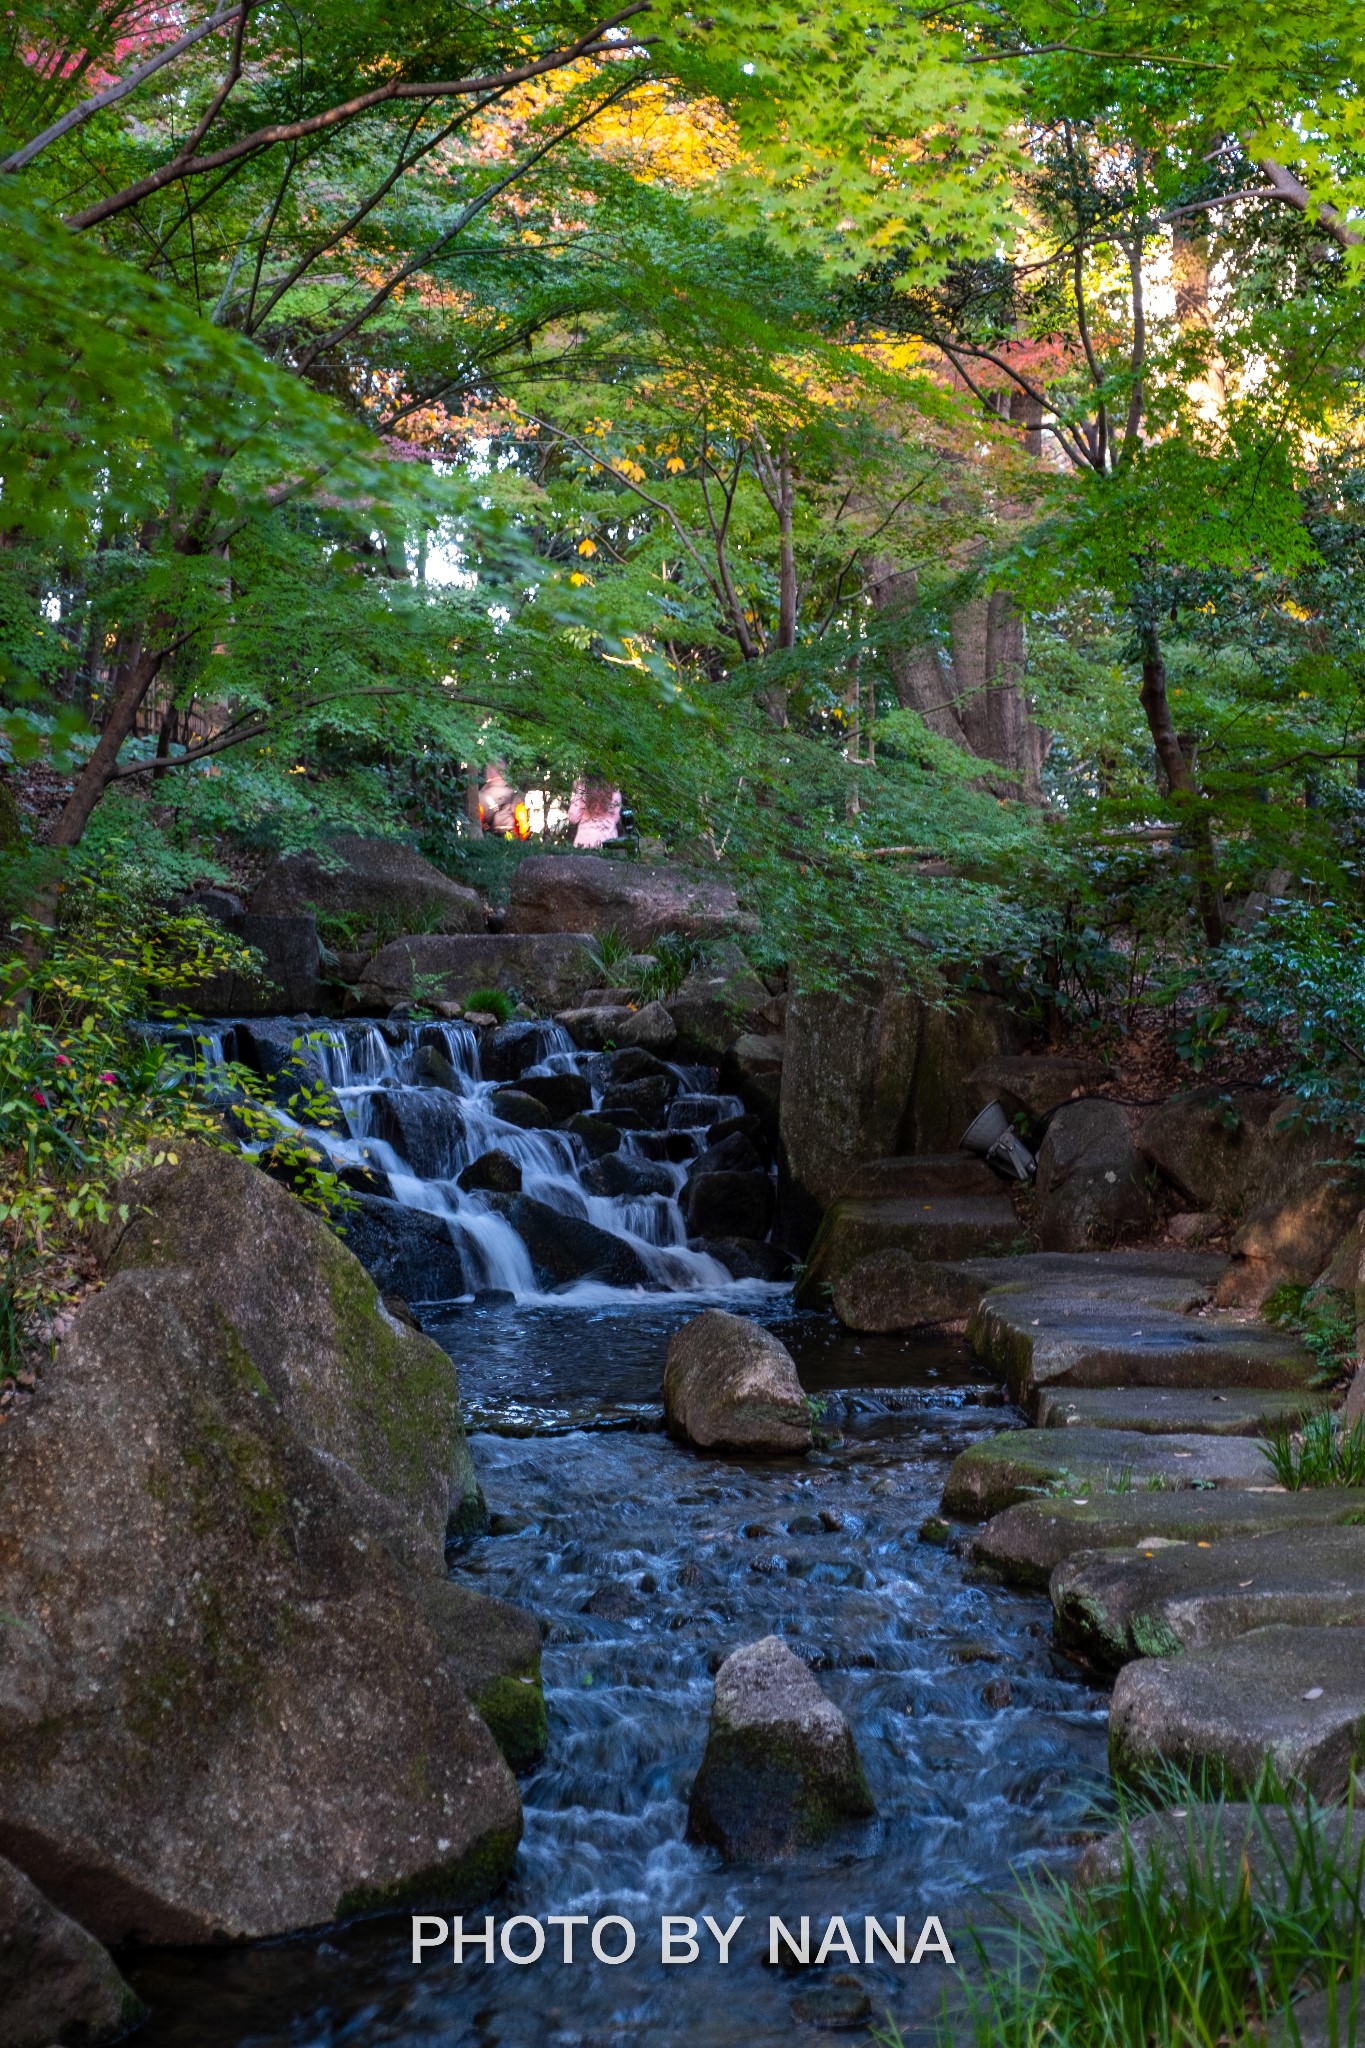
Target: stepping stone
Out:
[1162,1411]
[897,1290]
[1293,1698]
[1041,1339]
[1021,1463]
[928,1224]
[1025,1544]
[1114,1605]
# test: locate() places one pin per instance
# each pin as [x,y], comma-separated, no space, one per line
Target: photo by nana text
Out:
[555,1937]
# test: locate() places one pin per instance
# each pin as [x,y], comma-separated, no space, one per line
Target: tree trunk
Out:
[1185,795]
[130,691]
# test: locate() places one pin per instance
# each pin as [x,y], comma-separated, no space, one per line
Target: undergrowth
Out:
[1322,1453]
[1324,1321]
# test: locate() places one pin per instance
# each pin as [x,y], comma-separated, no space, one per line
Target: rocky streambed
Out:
[647,1562]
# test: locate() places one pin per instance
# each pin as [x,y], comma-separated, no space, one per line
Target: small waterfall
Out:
[419,1110]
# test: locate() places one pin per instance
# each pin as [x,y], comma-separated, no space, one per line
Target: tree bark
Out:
[1180,782]
[130,691]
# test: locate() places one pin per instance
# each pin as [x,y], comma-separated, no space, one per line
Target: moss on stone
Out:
[464,1881]
[513,1709]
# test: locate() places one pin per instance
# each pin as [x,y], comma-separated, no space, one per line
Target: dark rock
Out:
[717,1003]
[599,1137]
[781,1772]
[728,1205]
[425,1126]
[637,1063]
[617,1175]
[840,2006]
[246,1469]
[279,1051]
[505,1054]
[997,1693]
[675,1146]
[647,1098]
[57,1984]
[614,1602]
[1170,1411]
[729,1384]
[526,1111]
[752,1069]
[365,1180]
[744,1257]
[405,1251]
[564,1095]
[594,1028]
[1210,1144]
[493,1171]
[289,976]
[546,971]
[749,1126]
[694,1111]
[944,1228]
[429,1064]
[734,1153]
[1092,1185]
[565,1248]
[1031,1084]
[651,1028]
[588,893]
[371,883]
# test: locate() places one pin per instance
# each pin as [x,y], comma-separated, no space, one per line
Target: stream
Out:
[647,1563]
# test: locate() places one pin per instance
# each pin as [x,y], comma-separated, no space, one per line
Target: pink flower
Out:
[62,1060]
[109,1078]
[40,1098]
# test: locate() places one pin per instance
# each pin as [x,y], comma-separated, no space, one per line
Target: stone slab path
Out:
[1021,1464]
[1172,1411]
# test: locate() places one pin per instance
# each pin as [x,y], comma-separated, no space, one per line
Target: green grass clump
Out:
[1322,1453]
[494,1001]
[1187,1951]
[1323,1319]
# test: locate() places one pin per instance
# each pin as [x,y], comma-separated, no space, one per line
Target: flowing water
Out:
[647,1563]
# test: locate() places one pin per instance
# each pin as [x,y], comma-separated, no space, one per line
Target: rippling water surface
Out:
[648,1563]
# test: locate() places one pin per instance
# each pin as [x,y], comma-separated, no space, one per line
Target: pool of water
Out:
[647,1563]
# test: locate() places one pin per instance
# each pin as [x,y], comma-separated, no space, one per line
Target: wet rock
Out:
[596,1028]
[781,1772]
[997,1694]
[599,1137]
[526,1111]
[369,882]
[728,1205]
[637,1063]
[548,971]
[405,1251]
[566,1248]
[56,1982]
[494,1172]
[589,893]
[564,1095]
[614,1602]
[425,1126]
[718,1002]
[995,1472]
[278,1050]
[284,1731]
[651,1028]
[1290,1697]
[1092,1185]
[1025,1544]
[617,1175]
[839,2006]
[1031,1084]
[734,1153]
[429,1064]
[744,1258]
[1113,1607]
[647,1098]
[730,1385]
[749,1126]
[506,1053]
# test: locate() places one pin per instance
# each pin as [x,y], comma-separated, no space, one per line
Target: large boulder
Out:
[1031,1084]
[718,1002]
[728,1205]
[550,972]
[425,1126]
[506,1053]
[1210,1143]
[870,1073]
[588,893]
[288,980]
[730,1385]
[651,1028]
[1092,1183]
[596,1028]
[751,1068]
[57,1984]
[223,1518]
[368,885]
[781,1773]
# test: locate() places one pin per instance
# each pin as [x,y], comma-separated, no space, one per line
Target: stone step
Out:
[895,1290]
[930,1227]
[1113,1606]
[1162,1411]
[1021,1463]
[1025,1544]
[916,1176]
[1041,1339]
[1293,1698]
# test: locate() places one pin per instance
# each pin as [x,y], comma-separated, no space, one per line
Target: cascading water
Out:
[421,1134]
